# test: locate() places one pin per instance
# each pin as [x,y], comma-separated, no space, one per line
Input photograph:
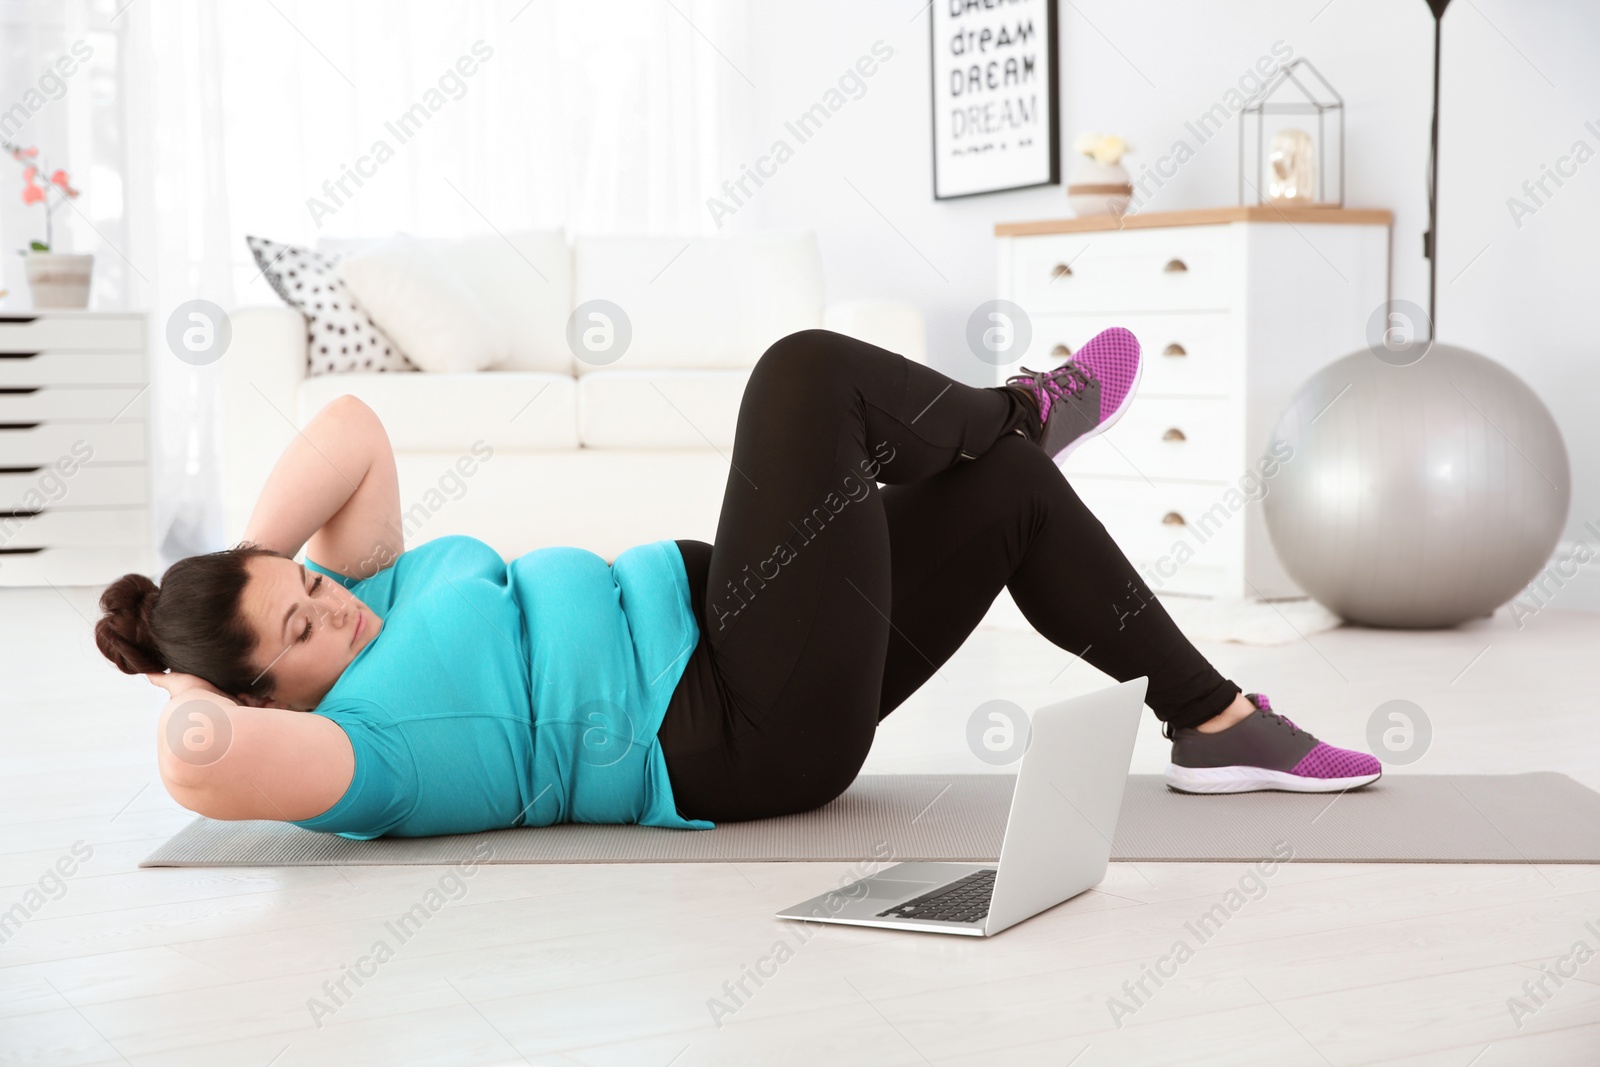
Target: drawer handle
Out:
[19,551]
[14,390]
[1174,434]
[1175,265]
[1175,349]
[19,470]
[18,318]
[19,425]
[1061,350]
[18,355]
[1172,518]
[20,513]
[1061,271]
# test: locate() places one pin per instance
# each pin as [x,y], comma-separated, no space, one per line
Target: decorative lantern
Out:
[1291,141]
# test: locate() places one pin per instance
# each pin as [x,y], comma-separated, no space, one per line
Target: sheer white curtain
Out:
[179,230]
[288,119]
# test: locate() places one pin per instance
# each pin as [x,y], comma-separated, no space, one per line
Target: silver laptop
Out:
[1057,841]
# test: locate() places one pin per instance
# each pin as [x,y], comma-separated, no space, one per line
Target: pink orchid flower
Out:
[33,192]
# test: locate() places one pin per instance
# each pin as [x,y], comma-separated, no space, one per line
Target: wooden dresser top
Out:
[1199,217]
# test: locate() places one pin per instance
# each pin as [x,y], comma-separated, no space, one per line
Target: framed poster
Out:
[995,85]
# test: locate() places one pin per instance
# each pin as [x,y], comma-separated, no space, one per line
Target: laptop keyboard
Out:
[964,900]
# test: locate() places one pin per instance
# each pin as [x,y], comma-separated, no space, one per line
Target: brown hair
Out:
[191,624]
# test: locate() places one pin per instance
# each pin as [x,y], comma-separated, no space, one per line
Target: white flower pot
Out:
[59,279]
[1095,188]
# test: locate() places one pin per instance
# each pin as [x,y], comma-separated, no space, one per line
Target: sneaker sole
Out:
[1127,401]
[1242,779]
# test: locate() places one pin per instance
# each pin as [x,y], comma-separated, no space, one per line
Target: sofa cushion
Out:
[602,500]
[414,295]
[523,276]
[891,324]
[700,303]
[340,336]
[514,410]
[660,409]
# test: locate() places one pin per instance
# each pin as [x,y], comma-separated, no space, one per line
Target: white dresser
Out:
[1233,308]
[74,448]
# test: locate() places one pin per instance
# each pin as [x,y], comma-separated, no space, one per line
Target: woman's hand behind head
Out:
[175,683]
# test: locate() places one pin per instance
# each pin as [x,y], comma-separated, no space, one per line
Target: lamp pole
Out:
[1430,240]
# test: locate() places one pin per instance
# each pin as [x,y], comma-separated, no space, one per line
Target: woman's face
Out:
[308,629]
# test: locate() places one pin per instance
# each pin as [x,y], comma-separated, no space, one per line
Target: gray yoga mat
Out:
[1541,817]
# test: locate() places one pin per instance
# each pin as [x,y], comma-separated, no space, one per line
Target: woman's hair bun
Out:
[123,632]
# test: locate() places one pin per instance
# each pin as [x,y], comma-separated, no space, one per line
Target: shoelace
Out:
[1293,729]
[1265,706]
[1065,381]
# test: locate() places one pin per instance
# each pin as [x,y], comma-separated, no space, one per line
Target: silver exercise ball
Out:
[1419,495]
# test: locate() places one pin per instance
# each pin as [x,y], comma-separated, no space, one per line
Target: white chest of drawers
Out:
[74,448]
[1233,308]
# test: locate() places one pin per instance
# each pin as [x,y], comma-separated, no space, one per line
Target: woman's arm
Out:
[336,486]
[226,761]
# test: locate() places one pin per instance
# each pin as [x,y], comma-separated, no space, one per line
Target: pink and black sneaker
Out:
[1264,750]
[1086,394]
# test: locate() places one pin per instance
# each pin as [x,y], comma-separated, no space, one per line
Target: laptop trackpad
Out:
[891,887]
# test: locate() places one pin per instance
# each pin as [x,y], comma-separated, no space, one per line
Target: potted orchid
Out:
[1097,183]
[57,279]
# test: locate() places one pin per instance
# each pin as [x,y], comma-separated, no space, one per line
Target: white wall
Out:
[1518,84]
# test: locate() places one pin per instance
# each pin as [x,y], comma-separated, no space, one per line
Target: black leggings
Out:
[827,600]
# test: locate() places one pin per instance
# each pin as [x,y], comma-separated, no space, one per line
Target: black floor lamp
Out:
[1430,240]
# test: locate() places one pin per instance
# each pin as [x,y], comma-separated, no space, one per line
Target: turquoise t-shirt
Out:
[499,695]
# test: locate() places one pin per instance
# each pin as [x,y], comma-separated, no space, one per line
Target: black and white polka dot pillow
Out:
[341,338]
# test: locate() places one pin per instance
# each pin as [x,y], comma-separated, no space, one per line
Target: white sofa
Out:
[546,449]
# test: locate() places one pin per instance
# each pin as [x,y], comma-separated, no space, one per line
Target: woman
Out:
[686,683]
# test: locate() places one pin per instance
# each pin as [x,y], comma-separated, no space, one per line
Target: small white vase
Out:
[1095,188]
[59,279]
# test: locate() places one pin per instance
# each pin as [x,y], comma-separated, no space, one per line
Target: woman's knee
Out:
[801,358]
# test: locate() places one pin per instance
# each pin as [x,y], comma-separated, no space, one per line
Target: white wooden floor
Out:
[615,964]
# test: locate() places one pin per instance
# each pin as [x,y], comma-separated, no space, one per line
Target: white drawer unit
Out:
[72,403]
[94,331]
[75,504]
[1168,529]
[1234,308]
[1178,438]
[1143,270]
[1194,354]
